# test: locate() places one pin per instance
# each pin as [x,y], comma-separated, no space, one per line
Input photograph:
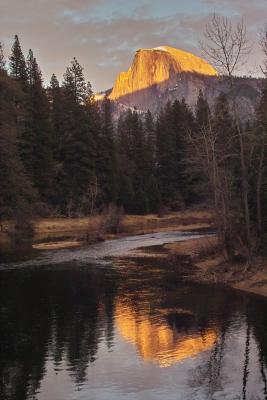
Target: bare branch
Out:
[2,57]
[263,44]
[226,45]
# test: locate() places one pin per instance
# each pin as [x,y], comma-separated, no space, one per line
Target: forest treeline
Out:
[62,154]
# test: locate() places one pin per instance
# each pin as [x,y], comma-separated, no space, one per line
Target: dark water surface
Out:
[72,327]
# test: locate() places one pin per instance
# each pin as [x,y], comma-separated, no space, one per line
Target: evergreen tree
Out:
[31,67]
[182,120]
[125,163]
[39,131]
[167,157]
[150,172]
[75,84]
[141,205]
[79,138]
[153,196]
[17,63]
[137,148]
[149,144]
[106,157]
[202,112]
[16,193]
[54,93]
[197,183]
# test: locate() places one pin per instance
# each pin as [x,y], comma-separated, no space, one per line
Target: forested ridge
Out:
[62,154]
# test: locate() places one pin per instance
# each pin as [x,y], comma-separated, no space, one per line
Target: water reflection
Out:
[159,342]
[99,332]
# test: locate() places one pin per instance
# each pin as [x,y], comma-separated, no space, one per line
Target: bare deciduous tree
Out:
[214,156]
[229,47]
[261,140]
[225,44]
[92,194]
[2,57]
[263,44]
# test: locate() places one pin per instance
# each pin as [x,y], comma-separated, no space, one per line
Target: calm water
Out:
[90,330]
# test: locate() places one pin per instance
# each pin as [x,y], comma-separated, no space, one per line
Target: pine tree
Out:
[181,120]
[202,112]
[75,84]
[152,194]
[125,163]
[35,132]
[17,195]
[17,63]
[149,144]
[106,157]
[151,185]
[79,136]
[31,68]
[54,93]
[138,162]
[167,157]
[43,153]
[56,118]
[196,182]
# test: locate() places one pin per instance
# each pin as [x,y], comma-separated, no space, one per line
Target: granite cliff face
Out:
[164,74]
[153,67]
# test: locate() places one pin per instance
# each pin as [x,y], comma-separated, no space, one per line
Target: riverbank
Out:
[55,233]
[200,260]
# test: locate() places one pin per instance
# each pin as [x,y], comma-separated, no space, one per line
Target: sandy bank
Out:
[209,265]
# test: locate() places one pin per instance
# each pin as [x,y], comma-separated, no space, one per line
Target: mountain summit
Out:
[165,74]
[155,66]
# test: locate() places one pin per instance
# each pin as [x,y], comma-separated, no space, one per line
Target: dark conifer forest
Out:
[60,148]
[63,154]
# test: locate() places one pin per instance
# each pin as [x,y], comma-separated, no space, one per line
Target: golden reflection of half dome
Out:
[157,342]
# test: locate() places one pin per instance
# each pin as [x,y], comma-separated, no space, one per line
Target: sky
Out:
[104,34]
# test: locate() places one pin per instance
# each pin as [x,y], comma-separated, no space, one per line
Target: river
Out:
[75,325]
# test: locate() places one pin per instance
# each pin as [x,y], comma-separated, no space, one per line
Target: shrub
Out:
[112,218]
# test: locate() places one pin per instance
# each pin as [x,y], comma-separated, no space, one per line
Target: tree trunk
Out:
[259,192]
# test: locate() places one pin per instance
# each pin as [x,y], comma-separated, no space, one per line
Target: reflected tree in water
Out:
[60,316]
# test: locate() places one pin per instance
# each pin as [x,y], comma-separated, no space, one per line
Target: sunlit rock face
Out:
[163,74]
[156,341]
[155,66]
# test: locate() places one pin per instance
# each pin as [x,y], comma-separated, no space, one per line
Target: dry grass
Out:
[72,231]
[185,220]
[132,224]
[63,224]
[196,248]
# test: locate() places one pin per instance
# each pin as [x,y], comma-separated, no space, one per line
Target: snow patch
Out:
[160,48]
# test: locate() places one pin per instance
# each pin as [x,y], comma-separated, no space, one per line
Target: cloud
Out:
[103,35]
